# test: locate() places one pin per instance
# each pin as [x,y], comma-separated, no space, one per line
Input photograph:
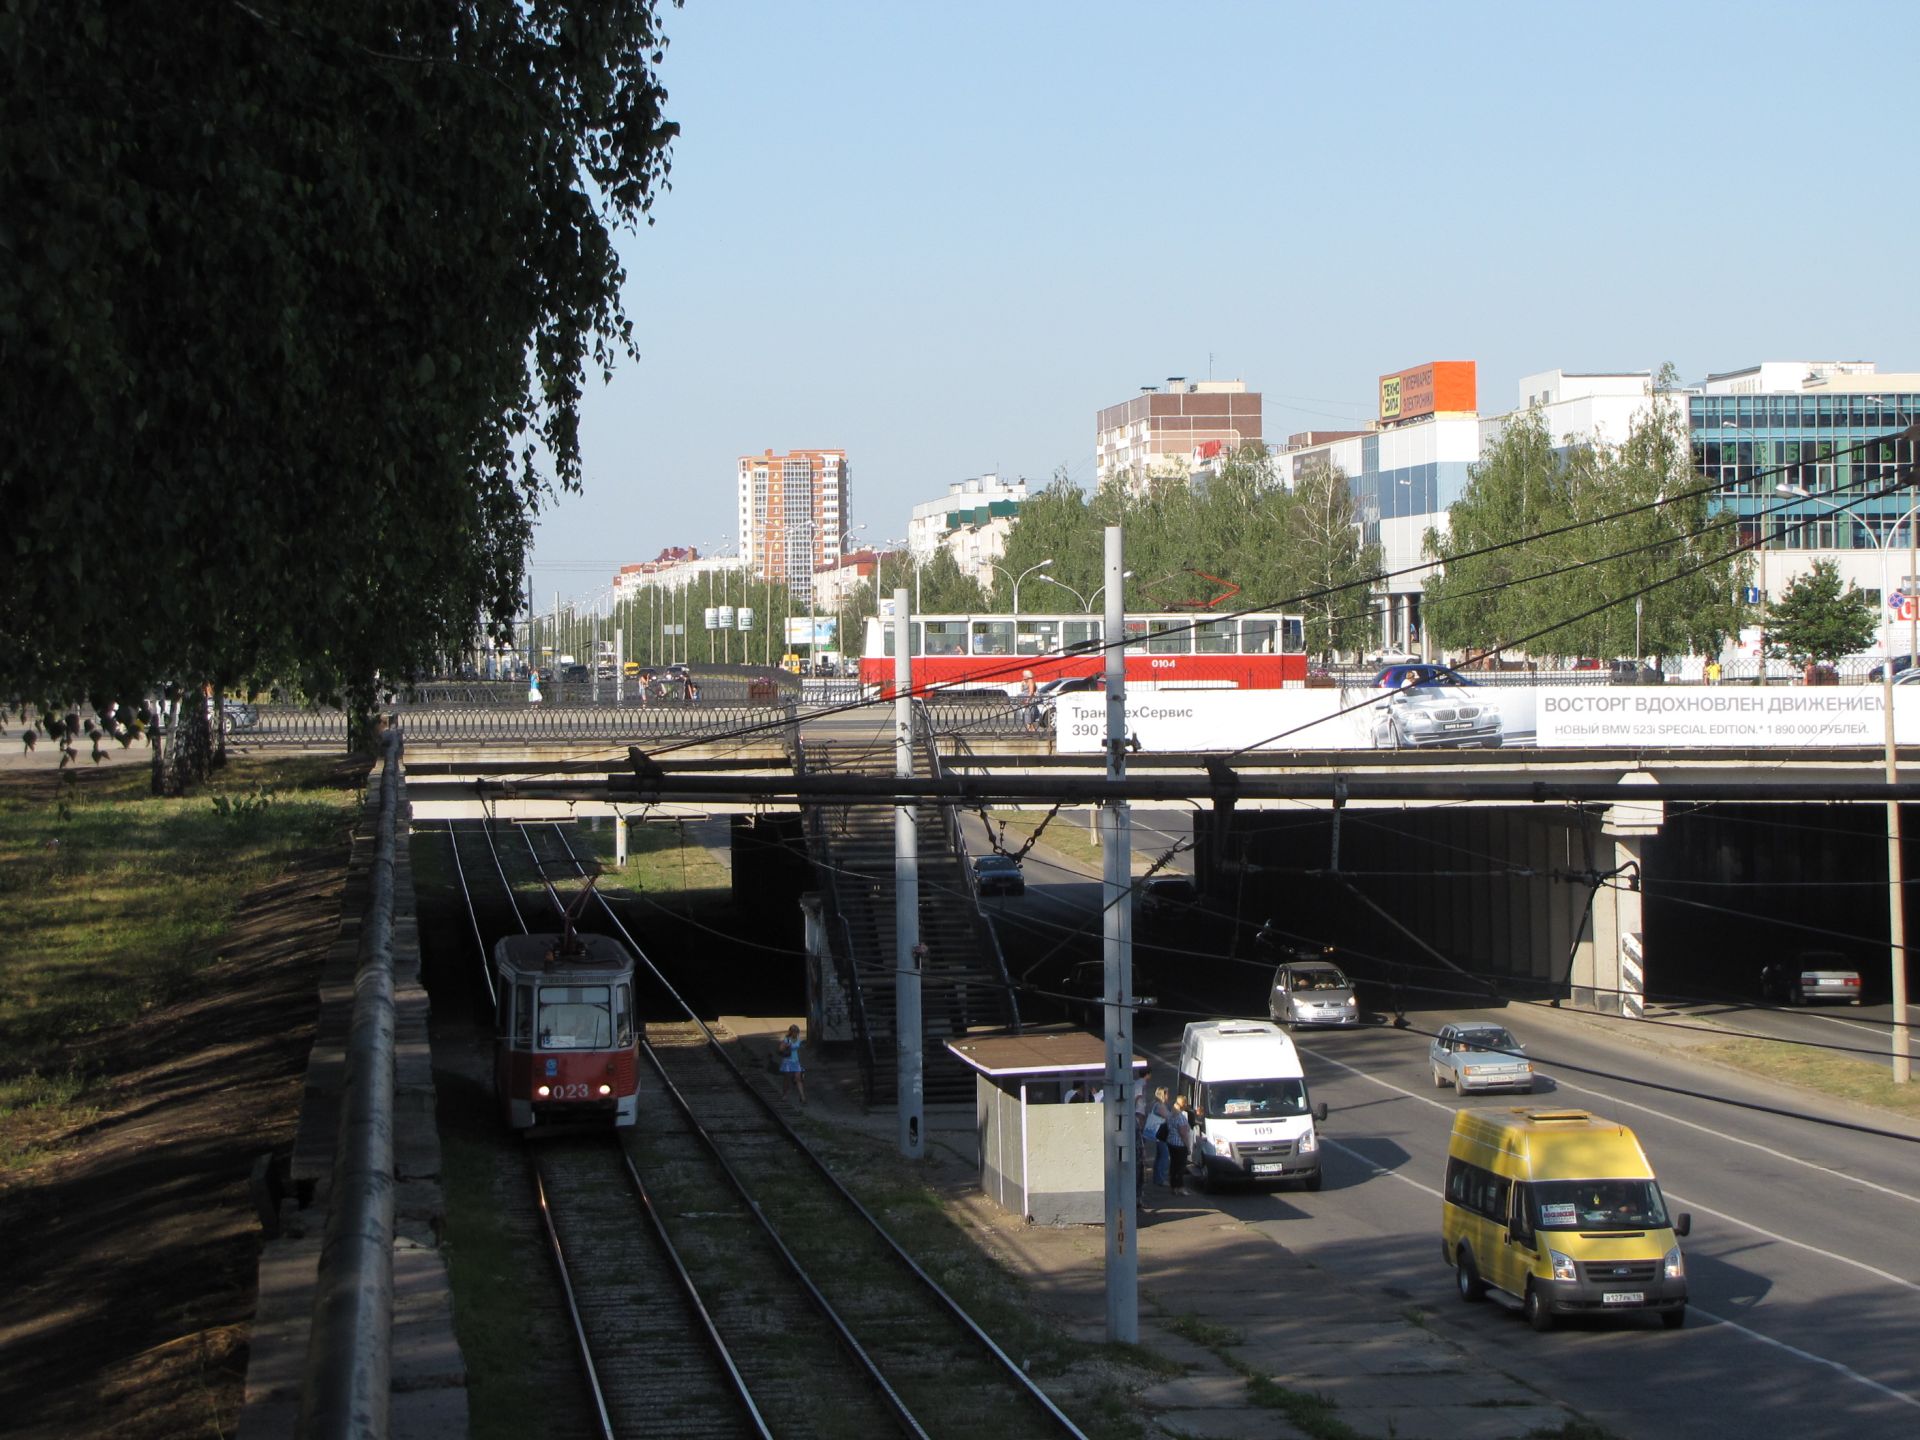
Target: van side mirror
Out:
[1683,1225]
[1320,1112]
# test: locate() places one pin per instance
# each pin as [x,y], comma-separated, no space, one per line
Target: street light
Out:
[1896,913]
[1086,601]
[813,570]
[1018,578]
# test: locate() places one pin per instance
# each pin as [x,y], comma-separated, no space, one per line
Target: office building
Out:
[793,514]
[1174,431]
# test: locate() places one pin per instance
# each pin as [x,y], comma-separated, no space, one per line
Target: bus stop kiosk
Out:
[1040,1147]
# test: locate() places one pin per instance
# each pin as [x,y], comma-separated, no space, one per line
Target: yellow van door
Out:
[1518,1247]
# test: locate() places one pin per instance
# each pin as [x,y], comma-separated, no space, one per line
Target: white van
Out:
[1252,1119]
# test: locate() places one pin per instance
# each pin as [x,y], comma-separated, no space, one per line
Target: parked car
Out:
[1085,986]
[238,715]
[1811,975]
[1903,665]
[998,875]
[1635,672]
[1429,716]
[1479,1057]
[1162,897]
[576,675]
[1312,992]
[1400,677]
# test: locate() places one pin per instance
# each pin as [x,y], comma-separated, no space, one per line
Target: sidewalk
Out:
[1270,1344]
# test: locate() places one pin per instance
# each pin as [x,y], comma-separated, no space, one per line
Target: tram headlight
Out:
[606,1089]
[543,1091]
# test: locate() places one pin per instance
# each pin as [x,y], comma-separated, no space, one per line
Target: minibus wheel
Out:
[1675,1318]
[1539,1314]
[1466,1279]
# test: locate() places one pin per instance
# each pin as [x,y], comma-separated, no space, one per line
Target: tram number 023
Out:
[570,1091]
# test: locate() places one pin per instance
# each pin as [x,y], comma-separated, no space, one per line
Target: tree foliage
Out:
[297,312]
[1815,620]
[1633,522]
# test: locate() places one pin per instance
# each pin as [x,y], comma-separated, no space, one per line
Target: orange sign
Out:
[1442,386]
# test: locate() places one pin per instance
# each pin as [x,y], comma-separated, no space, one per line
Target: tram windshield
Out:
[575,1017]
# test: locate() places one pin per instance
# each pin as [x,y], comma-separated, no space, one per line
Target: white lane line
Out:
[1705,1209]
[1902,1396]
[1379,1169]
[1911,1199]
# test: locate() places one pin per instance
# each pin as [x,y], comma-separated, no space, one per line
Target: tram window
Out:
[1037,637]
[1256,637]
[623,1015]
[1081,634]
[1170,637]
[993,637]
[886,637]
[1136,633]
[1293,636]
[946,637]
[576,1017]
[523,1015]
[1214,637]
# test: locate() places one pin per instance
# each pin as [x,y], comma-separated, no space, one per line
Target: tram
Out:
[1187,650]
[566,1047]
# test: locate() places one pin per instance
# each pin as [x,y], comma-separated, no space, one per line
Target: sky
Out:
[941,237]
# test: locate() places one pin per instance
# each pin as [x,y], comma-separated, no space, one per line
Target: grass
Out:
[117,901]
[1840,1076]
[1066,833]
[662,859]
[1311,1414]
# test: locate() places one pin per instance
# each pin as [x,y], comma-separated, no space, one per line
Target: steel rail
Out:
[688,1289]
[952,1306]
[473,916]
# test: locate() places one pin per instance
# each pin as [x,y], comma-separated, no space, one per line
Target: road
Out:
[1803,1266]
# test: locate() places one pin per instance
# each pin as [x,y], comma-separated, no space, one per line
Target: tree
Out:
[1334,562]
[1813,621]
[296,319]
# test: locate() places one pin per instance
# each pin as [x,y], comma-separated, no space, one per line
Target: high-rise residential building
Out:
[1176,430]
[794,515]
[972,520]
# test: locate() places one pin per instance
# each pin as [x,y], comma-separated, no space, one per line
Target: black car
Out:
[998,875]
[1085,988]
[1901,664]
[238,715]
[1164,896]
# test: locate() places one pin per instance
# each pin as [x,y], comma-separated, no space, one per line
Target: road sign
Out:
[1753,594]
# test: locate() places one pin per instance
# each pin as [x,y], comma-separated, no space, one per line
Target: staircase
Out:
[964,980]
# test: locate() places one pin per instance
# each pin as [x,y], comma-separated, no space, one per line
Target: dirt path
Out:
[127,1260]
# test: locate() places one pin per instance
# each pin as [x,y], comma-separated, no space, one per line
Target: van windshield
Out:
[1255,1099]
[1598,1205]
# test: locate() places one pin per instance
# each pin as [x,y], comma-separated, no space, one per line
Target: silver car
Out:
[1479,1057]
[1312,992]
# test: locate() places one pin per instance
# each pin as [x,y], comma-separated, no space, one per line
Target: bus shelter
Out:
[1037,1122]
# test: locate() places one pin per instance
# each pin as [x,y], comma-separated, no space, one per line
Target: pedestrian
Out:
[1713,671]
[533,688]
[1142,1143]
[1162,1152]
[1076,1093]
[793,1075]
[1029,701]
[1179,1144]
[693,690]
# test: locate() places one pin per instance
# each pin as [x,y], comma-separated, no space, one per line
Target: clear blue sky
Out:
[942,236]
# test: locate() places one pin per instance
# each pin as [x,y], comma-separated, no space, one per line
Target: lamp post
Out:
[813,570]
[1000,570]
[1086,601]
[1896,910]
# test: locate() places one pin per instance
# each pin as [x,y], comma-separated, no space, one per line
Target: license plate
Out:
[1265,1169]
[1624,1297]
[1458,725]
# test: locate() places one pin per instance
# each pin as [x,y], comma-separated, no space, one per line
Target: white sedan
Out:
[1479,1057]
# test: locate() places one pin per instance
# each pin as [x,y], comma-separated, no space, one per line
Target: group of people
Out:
[1165,1131]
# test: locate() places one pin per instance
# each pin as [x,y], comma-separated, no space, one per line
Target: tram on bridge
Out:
[1185,649]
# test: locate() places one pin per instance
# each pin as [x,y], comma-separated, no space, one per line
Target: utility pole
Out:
[1116,840]
[906,898]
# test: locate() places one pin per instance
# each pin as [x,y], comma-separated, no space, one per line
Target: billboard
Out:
[824,627]
[1438,386]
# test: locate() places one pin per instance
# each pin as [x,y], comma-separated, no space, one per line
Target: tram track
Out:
[768,1234]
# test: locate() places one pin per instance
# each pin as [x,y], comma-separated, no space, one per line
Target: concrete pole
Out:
[906,897]
[619,656]
[1896,900]
[1122,1203]
[620,842]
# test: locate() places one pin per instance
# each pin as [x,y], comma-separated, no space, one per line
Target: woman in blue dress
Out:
[793,1075]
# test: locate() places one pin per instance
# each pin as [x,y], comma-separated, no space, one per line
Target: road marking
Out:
[1795,1350]
[1718,1214]
[1735,1139]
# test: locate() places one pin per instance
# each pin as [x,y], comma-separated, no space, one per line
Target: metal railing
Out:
[962,881]
[344,1388]
[841,957]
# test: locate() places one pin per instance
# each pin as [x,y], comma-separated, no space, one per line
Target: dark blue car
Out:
[1399,677]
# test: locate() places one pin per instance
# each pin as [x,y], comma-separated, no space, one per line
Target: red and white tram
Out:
[566,1044]
[1177,650]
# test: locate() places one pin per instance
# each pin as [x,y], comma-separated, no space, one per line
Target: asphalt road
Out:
[1803,1266]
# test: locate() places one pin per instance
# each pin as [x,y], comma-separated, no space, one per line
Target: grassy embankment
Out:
[1842,1076]
[116,901]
